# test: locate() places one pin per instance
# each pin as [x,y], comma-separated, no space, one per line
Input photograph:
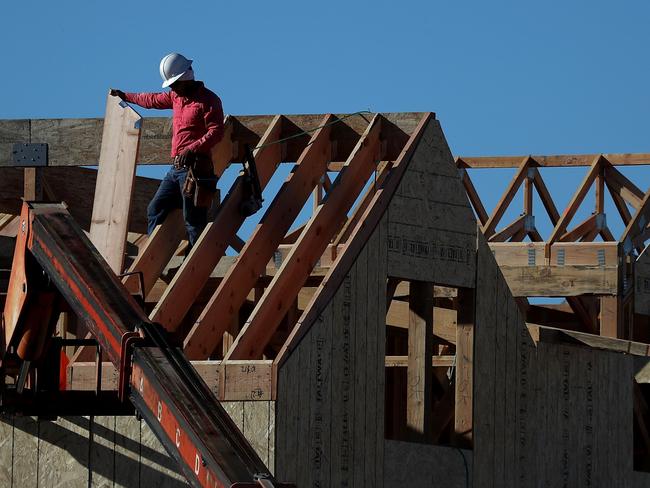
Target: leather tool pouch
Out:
[189,188]
[204,195]
[204,182]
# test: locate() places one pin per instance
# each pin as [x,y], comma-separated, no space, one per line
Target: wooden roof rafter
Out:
[293,272]
[226,301]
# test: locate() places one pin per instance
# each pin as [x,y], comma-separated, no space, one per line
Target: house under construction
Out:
[391,338]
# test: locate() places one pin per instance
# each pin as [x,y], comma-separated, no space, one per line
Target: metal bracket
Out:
[277,259]
[529,223]
[601,221]
[129,339]
[531,256]
[601,258]
[29,155]
[560,257]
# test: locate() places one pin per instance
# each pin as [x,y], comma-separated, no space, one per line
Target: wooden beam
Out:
[474,198]
[419,373]
[509,231]
[620,204]
[165,239]
[33,184]
[350,223]
[213,242]
[558,336]
[581,308]
[229,381]
[436,361]
[618,184]
[506,198]
[575,202]
[585,227]
[231,294]
[285,286]
[464,382]
[637,225]
[606,234]
[545,197]
[115,179]
[156,253]
[358,239]
[560,281]
[553,161]
[611,317]
[600,192]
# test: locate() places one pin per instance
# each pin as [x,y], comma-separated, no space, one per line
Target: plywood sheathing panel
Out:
[6,447]
[329,386]
[75,142]
[11,132]
[410,464]
[432,229]
[63,450]
[76,187]
[543,413]
[119,452]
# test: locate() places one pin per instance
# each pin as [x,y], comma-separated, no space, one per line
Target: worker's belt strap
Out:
[201,163]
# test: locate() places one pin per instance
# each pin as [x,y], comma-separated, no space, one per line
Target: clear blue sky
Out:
[504,77]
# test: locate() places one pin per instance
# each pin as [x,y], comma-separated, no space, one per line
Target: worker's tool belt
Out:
[200,182]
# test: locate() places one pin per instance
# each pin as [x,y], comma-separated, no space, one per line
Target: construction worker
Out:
[197,126]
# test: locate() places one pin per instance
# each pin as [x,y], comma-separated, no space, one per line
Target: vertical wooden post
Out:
[611,316]
[230,335]
[33,184]
[420,350]
[464,405]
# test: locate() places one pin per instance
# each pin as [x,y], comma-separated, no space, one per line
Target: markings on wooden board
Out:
[247,381]
[565,415]
[434,251]
[588,427]
[346,390]
[523,405]
[319,401]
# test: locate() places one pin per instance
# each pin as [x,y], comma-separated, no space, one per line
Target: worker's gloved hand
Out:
[186,158]
[117,93]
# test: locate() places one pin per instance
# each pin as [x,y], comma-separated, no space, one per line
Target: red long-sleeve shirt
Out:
[197,123]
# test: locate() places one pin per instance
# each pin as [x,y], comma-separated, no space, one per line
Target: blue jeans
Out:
[170,196]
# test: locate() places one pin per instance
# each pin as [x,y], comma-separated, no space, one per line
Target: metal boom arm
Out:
[157,378]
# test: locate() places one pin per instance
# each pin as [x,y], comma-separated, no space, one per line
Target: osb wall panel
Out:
[545,415]
[419,465]
[431,227]
[330,420]
[111,452]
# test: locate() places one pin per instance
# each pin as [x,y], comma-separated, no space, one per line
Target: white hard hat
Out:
[175,67]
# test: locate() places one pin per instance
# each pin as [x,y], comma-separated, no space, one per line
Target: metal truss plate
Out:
[29,155]
[531,256]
